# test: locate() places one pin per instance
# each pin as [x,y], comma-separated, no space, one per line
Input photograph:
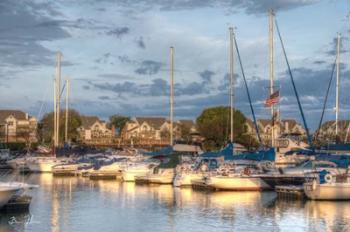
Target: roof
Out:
[291,123]
[155,122]
[264,122]
[342,124]
[187,123]
[88,121]
[19,115]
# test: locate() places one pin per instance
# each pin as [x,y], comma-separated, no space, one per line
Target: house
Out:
[327,130]
[17,126]
[94,130]
[156,129]
[286,126]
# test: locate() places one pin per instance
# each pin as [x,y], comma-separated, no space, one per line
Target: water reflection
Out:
[76,204]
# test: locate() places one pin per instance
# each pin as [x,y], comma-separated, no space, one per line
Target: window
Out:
[10,123]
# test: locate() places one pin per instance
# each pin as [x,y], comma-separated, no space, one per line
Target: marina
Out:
[174,116]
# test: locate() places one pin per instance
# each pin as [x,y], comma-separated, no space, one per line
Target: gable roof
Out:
[155,122]
[19,115]
[88,121]
[291,123]
[187,123]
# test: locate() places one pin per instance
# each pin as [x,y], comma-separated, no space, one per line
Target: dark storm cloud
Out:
[23,25]
[140,43]
[149,67]
[250,6]
[118,32]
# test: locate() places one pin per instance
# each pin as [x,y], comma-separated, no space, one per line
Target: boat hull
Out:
[6,193]
[331,191]
[238,183]
[185,179]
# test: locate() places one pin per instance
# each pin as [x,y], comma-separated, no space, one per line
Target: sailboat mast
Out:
[54,114]
[337,87]
[67,110]
[231,83]
[58,97]
[271,73]
[171,94]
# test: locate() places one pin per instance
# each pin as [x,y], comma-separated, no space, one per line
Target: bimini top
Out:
[261,155]
[226,152]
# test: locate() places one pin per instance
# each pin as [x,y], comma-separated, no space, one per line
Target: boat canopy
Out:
[342,161]
[162,152]
[226,152]
[261,155]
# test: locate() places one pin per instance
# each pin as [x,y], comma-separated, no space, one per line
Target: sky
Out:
[116,54]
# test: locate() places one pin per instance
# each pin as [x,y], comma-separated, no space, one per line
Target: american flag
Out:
[273,99]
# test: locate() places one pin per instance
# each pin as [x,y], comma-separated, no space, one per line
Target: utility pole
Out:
[337,87]
[171,94]
[67,111]
[271,74]
[231,83]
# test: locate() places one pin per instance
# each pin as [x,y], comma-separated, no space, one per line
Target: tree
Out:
[214,125]
[45,127]
[118,121]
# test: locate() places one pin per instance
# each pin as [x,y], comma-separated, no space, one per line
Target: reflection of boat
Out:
[328,187]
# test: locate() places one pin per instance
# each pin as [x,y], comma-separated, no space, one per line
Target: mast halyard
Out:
[271,73]
[171,95]
[337,87]
[231,83]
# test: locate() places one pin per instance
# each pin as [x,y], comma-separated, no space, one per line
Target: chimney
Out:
[26,116]
[287,126]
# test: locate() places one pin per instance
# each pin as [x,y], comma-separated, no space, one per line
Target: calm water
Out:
[78,204]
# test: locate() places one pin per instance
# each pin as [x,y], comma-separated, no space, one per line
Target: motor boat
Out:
[133,169]
[161,176]
[7,191]
[297,175]
[44,164]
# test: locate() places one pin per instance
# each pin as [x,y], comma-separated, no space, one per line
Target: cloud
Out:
[207,75]
[140,43]
[23,26]
[104,98]
[149,67]
[118,32]
[249,6]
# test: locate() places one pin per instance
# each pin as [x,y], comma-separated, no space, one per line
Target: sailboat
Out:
[45,164]
[166,174]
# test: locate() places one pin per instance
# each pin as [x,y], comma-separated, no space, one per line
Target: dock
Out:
[290,191]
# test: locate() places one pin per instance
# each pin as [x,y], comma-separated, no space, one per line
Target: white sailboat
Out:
[334,187]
